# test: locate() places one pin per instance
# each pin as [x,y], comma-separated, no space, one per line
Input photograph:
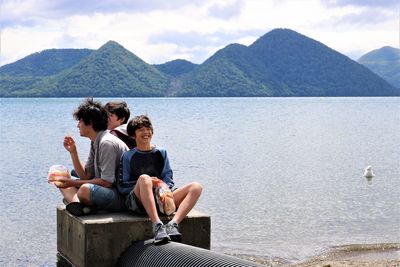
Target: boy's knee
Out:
[84,194]
[146,179]
[196,187]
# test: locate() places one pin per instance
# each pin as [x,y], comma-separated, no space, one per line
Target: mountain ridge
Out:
[282,62]
[385,62]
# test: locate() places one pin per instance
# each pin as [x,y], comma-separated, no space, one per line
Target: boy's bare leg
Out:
[144,191]
[70,194]
[185,198]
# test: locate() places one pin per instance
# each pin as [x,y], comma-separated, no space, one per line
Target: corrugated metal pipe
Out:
[146,254]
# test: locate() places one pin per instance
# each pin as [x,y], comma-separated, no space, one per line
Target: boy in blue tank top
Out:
[138,169]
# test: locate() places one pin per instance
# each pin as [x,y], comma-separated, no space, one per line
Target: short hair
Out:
[137,123]
[120,109]
[92,112]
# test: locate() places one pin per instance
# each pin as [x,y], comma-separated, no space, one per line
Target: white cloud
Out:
[21,41]
[158,31]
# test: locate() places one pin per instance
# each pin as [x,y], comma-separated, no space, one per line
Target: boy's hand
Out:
[54,177]
[69,144]
[63,182]
[154,180]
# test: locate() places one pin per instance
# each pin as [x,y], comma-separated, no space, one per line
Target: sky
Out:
[159,31]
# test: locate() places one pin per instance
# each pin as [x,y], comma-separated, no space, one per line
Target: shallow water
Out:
[282,176]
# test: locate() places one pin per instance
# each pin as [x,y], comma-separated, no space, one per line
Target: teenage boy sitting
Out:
[94,188]
[139,168]
[118,116]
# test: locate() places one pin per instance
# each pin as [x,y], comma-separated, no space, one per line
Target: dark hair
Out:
[92,112]
[120,109]
[137,123]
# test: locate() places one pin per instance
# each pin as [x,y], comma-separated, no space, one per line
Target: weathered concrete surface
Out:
[98,240]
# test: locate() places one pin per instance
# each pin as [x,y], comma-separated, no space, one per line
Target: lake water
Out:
[282,176]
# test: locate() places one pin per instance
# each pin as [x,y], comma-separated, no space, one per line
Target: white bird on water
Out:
[368,173]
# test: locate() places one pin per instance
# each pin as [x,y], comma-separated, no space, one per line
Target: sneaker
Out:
[160,234]
[78,209]
[173,232]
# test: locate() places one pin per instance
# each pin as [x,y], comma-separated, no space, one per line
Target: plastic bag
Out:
[55,173]
[164,197]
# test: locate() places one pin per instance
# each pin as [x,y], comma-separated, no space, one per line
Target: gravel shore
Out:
[373,255]
[376,255]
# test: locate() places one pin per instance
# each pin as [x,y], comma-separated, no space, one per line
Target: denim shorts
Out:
[106,198]
[133,204]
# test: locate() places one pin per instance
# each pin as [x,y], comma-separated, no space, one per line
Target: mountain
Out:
[176,67]
[45,63]
[109,71]
[385,62]
[23,77]
[280,63]
[229,72]
[283,63]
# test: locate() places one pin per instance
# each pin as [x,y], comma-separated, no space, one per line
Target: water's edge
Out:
[385,254]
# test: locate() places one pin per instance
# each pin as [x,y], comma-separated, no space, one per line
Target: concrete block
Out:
[99,239]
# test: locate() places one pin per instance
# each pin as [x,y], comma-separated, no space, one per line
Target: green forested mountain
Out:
[385,62]
[229,72]
[45,63]
[280,63]
[109,71]
[283,63]
[24,77]
[176,67]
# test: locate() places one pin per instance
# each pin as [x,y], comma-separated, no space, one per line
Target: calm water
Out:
[282,176]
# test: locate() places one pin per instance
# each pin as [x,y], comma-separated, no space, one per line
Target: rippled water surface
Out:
[282,176]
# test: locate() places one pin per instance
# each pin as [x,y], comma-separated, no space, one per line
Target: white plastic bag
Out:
[55,173]
[164,197]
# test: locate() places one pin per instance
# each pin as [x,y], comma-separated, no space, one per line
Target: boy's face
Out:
[84,130]
[143,135]
[113,121]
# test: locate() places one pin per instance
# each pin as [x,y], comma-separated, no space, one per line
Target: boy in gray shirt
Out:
[95,187]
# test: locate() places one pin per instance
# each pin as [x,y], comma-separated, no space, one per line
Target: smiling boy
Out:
[139,166]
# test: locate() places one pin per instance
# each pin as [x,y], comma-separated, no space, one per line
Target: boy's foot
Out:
[78,209]
[173,232]
[160,234]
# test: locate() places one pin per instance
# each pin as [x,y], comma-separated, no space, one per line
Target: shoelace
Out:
[172,227]
[158,228]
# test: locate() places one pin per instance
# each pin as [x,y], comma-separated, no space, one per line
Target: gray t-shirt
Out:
[104,157]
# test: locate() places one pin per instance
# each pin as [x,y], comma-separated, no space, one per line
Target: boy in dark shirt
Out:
[139,168]
[118,116]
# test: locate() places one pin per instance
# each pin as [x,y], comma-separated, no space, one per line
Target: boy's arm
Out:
[167,175]
[124,174]
[126,167]
[69,144]
[79,167]
[66,182]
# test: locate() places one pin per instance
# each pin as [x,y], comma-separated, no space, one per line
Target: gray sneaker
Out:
[173,232]
[160,234]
